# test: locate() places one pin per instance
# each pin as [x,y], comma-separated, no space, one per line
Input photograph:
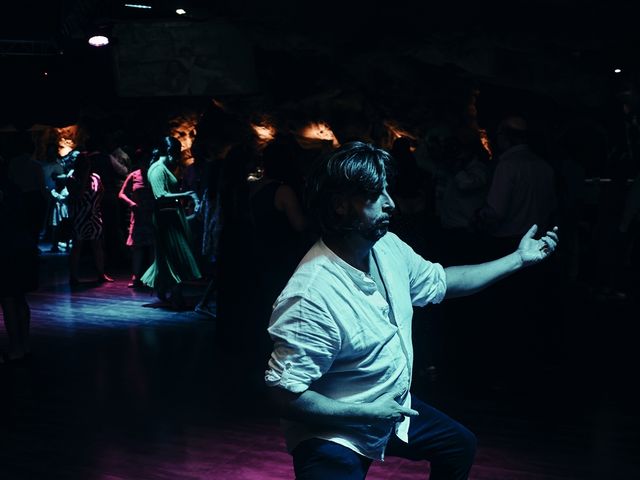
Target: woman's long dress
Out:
[174,261]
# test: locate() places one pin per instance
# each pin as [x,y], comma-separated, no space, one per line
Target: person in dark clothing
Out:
[278,233]
[111,173]
[522,190]
[20,267]
[278,220]
[26,173]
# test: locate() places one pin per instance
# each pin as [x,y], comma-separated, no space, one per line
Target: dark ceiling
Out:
[564,50]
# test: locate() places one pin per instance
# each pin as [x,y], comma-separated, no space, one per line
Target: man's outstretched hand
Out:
[532,251]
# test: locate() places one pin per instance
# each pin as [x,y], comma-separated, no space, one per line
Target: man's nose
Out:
[388,205]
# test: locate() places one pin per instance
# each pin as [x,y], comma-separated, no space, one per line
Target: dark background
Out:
[404,58]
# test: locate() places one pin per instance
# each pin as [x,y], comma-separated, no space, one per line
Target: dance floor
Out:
[120,388]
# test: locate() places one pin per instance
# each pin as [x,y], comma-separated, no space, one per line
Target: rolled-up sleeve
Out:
[306,341]
[428,281]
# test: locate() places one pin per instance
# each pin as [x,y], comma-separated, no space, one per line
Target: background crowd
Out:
[233,218]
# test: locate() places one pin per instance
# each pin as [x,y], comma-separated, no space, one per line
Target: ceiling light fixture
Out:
[137,5]
[180,11]
[617,70]
[98,41]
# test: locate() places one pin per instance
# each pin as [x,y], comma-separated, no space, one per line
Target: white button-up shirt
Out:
[335,333]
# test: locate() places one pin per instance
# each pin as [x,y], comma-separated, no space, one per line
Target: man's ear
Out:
[340,205]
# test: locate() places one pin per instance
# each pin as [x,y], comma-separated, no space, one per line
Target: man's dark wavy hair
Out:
[354,169]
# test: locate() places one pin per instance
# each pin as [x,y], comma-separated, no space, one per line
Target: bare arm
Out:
[312,406]
[159,186]
[123,192]
[167,200]
[179,195]
[469,279]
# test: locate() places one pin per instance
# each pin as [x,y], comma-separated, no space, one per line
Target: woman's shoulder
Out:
[157,170]
[135,174]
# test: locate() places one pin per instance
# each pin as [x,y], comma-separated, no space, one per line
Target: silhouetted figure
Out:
[613,233]
[462,175]
[278,227]
[410,189]
[522,193]
[522,190]
[19,271]
[212,156]
[236,272]
[25,172]
[468,180]
[630,223]
[112,172]
[278,222]
[579,149]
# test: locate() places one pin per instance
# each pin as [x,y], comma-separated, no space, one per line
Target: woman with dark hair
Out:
[85,195]
[174,261]
[277,218]
[278,227]
[137,194]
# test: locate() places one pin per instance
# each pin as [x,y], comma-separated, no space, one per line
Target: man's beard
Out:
[372,232]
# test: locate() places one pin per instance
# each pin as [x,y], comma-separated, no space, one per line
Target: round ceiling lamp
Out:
[98,40]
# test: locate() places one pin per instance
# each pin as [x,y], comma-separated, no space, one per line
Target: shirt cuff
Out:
[280,376]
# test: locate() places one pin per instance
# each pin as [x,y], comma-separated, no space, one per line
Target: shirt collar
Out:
[361,279]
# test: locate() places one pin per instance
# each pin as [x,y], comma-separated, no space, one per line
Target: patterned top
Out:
[87,210]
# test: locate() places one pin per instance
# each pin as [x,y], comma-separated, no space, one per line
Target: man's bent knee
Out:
[317,459]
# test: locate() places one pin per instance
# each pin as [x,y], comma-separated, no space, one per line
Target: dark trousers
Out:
[433,436]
